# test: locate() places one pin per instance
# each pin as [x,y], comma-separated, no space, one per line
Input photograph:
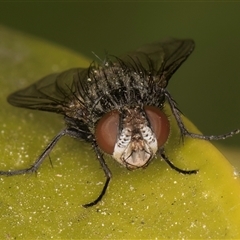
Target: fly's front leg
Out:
[107,173]
[183,171]
[184,132]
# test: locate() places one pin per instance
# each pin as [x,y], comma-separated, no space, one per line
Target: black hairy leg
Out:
[184,132]
[34,167]
[107,173]
[162,154]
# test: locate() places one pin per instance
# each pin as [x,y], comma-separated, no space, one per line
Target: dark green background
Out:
[207,85]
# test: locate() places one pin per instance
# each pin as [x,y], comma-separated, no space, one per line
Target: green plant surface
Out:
[232,154]
[156,202]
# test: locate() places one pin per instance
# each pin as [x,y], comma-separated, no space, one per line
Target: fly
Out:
[117,106]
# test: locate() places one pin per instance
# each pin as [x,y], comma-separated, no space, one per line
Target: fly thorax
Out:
[136,144]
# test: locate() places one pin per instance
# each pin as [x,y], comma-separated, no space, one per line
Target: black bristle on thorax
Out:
[117,84]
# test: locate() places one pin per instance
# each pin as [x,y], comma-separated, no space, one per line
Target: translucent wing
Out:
[162,58]
[50,93]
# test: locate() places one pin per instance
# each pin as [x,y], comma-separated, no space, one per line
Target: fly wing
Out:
[161,59]
[53,92]
[50,93]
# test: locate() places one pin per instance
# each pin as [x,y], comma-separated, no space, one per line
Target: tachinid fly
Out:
[117,106]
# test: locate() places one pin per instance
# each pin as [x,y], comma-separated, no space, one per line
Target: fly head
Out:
[133,134]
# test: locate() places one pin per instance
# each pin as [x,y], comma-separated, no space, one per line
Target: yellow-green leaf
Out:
[156,202]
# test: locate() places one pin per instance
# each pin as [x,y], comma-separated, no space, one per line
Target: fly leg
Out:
[184,132]
[162,154]
[38,162]
[107,173]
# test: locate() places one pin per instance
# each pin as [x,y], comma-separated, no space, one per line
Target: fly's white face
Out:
[135,146]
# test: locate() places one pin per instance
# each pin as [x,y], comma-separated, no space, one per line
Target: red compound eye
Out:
[159,123]
[107,130]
